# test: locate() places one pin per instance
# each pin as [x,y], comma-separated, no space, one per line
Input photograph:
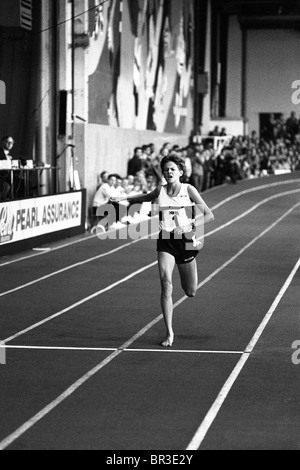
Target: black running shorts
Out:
[177,247]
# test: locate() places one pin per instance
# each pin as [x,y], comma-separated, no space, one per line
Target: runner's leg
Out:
[166,264]
[189,277]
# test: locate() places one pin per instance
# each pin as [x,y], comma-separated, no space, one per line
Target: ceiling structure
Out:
[263,13]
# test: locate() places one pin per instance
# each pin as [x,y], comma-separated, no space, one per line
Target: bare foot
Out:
[168,343]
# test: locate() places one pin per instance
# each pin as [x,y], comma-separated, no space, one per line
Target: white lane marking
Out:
[66,245]
[162,350]
[54,348]
[215,408]
[81,263]
[26,426]
[80,302]
[87,238]
[252,209]
[252,190]
[67,268]
[41,249]
[183,351]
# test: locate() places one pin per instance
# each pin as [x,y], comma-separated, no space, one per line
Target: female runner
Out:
[176,243]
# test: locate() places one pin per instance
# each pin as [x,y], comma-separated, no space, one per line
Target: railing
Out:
[219,142]
[30,182]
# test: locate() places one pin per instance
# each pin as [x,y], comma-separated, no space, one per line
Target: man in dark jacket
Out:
[135,164]
[6,145]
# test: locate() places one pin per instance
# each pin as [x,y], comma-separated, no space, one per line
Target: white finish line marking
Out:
[183,351]
[162,350]
[54,348]
[215,408]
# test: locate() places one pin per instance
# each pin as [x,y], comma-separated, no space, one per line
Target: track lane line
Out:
[68,268]
[252,209]
[215,408]
[66,348]
[35,419]
[183,351]
[46,410]
[87,238]
[80,302]
[54,348]
[252,190]
[95,258]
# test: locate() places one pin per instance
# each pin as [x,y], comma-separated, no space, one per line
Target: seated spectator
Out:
[130,179]
[151,183]
[126,186]
[265,164]
[120,190]
[246,169]
[105,192]
[102,197]
[103,178]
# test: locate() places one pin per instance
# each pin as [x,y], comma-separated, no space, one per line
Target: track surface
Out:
[81,325]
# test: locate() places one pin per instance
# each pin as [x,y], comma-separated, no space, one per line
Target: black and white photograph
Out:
[149,227]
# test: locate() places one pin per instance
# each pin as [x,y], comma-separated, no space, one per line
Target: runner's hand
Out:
[185,229]
[117,199]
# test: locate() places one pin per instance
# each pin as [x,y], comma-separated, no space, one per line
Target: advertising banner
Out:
[29,218]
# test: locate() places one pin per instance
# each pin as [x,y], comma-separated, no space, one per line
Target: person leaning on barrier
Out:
[101,199]
[6,146]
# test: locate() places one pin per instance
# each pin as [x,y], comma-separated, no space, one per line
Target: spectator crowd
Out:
[276,150]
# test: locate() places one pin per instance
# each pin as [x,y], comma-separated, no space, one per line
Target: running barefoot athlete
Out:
[176,244]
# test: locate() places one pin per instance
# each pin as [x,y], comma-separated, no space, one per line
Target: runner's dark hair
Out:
[175,159]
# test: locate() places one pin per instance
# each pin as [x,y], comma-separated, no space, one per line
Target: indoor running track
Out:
[81,328]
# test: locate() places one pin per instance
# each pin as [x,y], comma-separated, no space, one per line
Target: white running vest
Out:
[173,209]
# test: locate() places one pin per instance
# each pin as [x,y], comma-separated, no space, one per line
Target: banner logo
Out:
[7,222]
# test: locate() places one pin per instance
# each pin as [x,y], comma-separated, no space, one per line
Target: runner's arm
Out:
[202,207]
[139,198]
